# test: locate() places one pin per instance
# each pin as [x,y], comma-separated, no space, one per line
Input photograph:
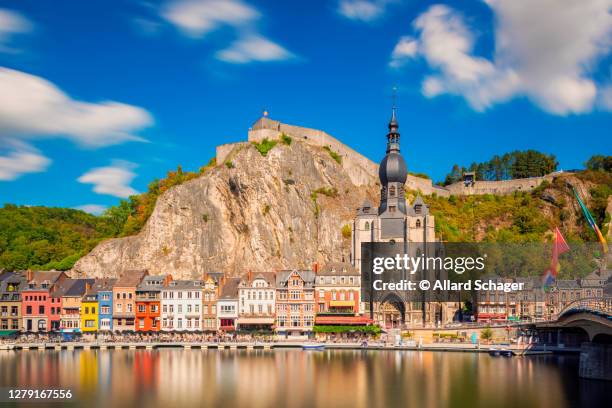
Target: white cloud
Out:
[95,209]
[198,18]
[112,180]
[253,49]
[12,23]
[544,50]
[32,107]
[405,49]
[363,10]
[20,158]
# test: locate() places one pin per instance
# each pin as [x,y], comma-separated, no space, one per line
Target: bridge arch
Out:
[602,338]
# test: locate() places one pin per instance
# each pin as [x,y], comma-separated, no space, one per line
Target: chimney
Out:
[29,275]
[87,287]
[315,267]
[250,275]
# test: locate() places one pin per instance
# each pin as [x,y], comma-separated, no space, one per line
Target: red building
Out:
[40,312]
[148,302]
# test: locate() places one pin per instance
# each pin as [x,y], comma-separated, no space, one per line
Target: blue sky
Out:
[98,98]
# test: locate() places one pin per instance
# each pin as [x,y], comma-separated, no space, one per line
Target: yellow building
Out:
[89,312]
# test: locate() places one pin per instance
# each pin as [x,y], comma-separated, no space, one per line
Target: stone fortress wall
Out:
[361,170]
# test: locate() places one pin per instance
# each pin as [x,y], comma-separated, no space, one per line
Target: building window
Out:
[418,223]
[392,191]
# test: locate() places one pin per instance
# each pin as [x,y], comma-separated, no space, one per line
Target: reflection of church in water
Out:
[397,222]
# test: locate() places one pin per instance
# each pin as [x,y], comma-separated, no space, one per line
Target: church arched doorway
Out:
[392,312]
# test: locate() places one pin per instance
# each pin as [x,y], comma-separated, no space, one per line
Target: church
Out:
[396,221]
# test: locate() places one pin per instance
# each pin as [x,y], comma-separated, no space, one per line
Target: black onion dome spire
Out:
[393,167]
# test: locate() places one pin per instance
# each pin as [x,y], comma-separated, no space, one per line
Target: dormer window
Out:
[418,208]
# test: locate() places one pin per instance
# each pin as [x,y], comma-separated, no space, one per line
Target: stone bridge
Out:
[592,316]
[588,323]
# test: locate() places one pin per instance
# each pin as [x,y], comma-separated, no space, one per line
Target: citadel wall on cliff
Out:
[363,171]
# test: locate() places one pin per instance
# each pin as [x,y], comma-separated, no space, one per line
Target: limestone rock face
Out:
[282,210]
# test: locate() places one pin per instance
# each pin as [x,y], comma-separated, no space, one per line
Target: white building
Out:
[256,293]
[181,305]
[227,305]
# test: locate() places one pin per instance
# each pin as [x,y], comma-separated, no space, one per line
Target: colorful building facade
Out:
[37,308]
[257,307]
[104,289]
[124,300]
[148,302]
[227,305]
[90,311]
[181,304]
[295,302]
[210,292]
[11,283]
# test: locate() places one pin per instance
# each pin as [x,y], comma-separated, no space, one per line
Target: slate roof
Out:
[269,277]
[307,276]
[104,285]
[79,287]
[40,277]
[338,269]
[131,278]
[230,289]
[184,285]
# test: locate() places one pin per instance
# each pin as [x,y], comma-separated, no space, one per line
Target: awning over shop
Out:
[343,320]
[255,320]
[7,333]
[342,303]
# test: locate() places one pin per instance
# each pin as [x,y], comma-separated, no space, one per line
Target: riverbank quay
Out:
[434,347]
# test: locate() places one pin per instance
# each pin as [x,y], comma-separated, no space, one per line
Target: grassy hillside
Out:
[48,238]
[54,238]
[524,216]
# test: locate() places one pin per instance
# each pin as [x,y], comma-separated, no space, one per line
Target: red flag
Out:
[559,247]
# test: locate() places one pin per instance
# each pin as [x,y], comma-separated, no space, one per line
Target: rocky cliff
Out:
[284,209]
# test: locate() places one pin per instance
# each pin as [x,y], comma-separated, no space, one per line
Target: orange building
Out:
[124,300]
[148,302]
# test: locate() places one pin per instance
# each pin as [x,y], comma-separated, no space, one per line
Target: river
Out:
[296,378]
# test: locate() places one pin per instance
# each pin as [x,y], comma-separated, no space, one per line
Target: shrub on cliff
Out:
[334,155]
[264,146]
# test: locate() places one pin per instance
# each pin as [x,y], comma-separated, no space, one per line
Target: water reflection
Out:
[295,378]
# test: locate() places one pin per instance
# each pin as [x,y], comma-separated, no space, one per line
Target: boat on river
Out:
[313,346]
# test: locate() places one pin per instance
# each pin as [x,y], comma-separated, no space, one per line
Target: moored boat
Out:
[313,346]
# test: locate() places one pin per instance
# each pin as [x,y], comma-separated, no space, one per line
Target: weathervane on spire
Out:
[394,98]
[265,113]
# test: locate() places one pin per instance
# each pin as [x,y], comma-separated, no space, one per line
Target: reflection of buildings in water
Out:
[88,371]
[256,372]
[182,378]
[295,378]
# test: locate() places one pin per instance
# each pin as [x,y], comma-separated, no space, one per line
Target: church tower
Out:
[392,173]
[397,221]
